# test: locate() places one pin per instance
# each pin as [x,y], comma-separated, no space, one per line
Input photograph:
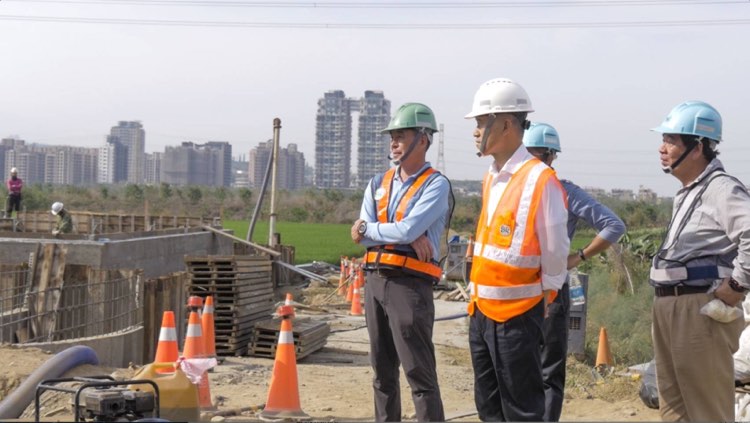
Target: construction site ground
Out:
[335,382]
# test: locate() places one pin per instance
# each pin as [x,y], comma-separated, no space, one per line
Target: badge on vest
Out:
[505,230]
[379,193]
[503,236]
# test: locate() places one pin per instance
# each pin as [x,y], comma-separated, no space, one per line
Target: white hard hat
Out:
[13,170]
[500,95]
[56,207]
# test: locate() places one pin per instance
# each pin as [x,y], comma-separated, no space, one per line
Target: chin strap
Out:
[488,126]
[671,168]
[417,135]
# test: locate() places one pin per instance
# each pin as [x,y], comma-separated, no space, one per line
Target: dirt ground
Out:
[335,382]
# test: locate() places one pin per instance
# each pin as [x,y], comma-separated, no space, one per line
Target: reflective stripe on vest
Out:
[385,186]
[396,259]
[506,268]
[399,261]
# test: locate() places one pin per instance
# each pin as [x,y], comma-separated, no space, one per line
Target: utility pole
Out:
[441,153]
[272,221]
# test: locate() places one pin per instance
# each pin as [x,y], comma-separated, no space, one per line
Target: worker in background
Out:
[14,185]
[404,213]
[64,223]
[520,258]
[543,141]
[705,255]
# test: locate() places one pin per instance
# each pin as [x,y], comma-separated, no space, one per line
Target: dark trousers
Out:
[554,353]
[13,203]
[400,314]
[507,368]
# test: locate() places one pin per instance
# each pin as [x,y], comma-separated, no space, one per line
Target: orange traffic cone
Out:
[289,299]
[356,309]
[207,328]
[166,349]
[194,348]
[603,356]
[283,393]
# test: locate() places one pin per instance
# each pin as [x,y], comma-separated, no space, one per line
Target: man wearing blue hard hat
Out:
[543,142]
[702,270]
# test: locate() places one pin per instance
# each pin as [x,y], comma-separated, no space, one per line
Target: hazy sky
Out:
[602,72]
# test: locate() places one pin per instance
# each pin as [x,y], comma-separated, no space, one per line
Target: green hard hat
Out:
[412,115]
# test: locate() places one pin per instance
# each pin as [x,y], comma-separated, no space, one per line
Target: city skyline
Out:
[602,73]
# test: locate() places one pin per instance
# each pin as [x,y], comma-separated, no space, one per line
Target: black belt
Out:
[677,290]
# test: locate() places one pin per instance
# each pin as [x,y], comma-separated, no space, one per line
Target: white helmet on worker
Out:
[500,95]
[56,207]
[496,96]
[13,171]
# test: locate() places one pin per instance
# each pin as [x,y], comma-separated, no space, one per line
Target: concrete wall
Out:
[116,350]
[158,253]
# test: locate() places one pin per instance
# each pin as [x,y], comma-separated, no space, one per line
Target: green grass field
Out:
[312,242]
[328,242]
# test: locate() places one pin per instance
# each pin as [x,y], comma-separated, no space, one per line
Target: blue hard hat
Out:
[542,135]
[692,118]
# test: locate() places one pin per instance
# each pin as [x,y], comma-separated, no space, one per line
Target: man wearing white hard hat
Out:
[14,185]
[64,223]
[520,258]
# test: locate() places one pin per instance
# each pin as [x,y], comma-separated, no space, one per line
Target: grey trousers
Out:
[694,363]
[400,314]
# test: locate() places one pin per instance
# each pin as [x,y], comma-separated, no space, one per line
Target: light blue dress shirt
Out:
[582,206]
[428,215]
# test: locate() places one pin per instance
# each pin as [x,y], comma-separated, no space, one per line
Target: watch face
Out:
[362,228]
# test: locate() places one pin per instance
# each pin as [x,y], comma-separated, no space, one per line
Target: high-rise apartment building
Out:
[290,166]
[66,165]
[197,164]
[333,138]
[372,147]
[131,135]
[152,171]
[113,162]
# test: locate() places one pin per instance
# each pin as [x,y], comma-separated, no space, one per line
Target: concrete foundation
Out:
[158,253]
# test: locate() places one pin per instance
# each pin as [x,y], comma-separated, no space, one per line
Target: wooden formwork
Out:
[102,223]
[243,294]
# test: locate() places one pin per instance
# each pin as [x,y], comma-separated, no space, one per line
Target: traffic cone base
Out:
[283,393]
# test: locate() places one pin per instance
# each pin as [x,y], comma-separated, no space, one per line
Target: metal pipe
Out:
[274,171]
[302,272]
[252,244]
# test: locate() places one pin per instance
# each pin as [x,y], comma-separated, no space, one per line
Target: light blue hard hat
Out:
[692,118]
[542,135]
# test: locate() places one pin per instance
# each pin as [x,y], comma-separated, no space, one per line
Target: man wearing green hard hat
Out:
[404,213]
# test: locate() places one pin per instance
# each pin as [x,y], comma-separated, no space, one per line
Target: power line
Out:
[396,4]
[410,26]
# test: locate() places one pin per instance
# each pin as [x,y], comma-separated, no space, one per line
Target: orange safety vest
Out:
[393,259]
[506,269]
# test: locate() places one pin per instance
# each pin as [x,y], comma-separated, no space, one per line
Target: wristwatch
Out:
[362,228]
[736,287]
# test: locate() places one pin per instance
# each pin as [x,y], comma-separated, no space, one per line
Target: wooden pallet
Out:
[308,337]
[243,295]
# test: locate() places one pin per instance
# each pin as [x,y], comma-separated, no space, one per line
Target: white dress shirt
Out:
[551,218]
